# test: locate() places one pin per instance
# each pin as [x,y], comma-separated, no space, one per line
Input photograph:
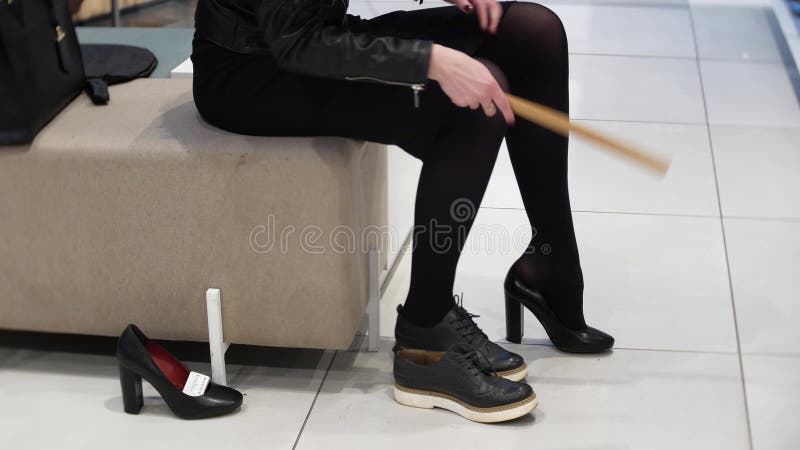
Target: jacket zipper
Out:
[416,87]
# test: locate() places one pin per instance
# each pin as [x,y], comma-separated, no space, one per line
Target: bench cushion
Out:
[128,212]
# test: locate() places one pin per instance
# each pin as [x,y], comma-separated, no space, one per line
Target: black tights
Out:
[528,56]
[458,146]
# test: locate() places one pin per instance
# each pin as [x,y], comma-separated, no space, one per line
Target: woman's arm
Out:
[308,36]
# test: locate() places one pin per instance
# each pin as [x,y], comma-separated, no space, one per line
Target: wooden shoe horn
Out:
[560,123]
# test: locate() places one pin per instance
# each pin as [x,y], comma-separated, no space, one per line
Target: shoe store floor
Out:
[696,275]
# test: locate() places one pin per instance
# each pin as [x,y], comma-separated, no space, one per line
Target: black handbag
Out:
[41,69]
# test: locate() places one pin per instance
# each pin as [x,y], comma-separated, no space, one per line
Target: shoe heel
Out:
[131,384]
[515,325]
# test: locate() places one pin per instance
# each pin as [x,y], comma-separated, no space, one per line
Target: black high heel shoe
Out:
[139,357]
[586,340]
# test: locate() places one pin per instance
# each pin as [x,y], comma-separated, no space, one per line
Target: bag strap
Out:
[97,90]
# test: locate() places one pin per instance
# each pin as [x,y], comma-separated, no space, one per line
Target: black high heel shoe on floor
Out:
[185,392]
[586,340]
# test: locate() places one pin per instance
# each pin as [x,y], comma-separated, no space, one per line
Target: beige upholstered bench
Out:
[140,212]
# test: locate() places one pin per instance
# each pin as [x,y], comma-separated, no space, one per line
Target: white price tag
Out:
[196,384]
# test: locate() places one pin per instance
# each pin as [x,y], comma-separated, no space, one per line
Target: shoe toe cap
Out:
[525,391]
[223,397]
[514,391]
[502,359]
[507,361]
[599,338]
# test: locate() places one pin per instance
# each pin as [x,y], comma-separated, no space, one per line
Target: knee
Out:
[548,20]
[545,25]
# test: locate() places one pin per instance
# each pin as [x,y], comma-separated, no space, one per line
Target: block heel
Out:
[515,323]
[131,384]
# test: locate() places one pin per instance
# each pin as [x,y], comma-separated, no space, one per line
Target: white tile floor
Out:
[749,94]
[631,88]
[695,274]
[735,33]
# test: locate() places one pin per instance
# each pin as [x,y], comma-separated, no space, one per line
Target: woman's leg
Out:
[458,147]
[452,183]
[531,48]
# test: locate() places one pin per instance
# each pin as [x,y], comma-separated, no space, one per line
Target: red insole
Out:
[176,372]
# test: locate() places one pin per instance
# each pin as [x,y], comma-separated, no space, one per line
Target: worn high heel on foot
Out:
[517,294]
[185,392]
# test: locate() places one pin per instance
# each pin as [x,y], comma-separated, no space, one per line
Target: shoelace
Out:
[468,328]
[473,359]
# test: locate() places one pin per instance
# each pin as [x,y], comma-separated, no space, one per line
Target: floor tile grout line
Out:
[634,56]
[627,213]
[689,124]
[314,402]
[635,349]
[761,126]
[657,214]
[772,355]
[754,61]
[630,349]
[765,218]
[724,239]
[654,122]
[672,350]
[634,213]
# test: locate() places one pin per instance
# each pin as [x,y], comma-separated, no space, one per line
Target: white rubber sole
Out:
[517,374]
[428,399]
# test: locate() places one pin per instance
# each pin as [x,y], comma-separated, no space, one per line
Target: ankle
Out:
[424,313]
[540,272]
[560,284]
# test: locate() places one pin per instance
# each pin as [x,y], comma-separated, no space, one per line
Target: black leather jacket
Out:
[312,37]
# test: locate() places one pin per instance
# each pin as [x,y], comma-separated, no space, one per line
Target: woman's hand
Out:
[468,82]
[489,12]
